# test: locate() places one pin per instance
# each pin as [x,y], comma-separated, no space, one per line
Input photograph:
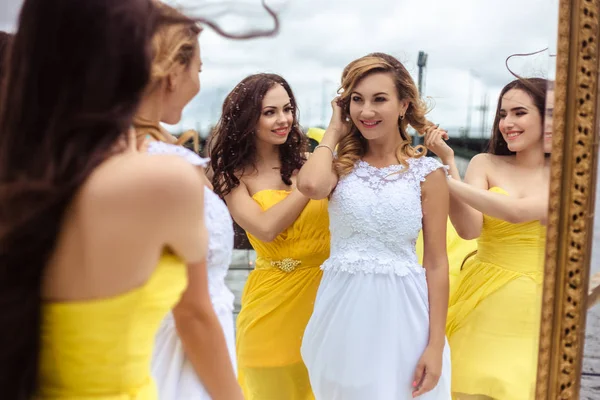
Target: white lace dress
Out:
[175,377]
[370,323]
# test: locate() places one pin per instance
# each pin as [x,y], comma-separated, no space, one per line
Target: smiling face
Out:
[375,107]
[520,121]
[277,116]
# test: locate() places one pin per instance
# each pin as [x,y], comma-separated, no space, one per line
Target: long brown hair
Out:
[5,40]
[353,146]
[232,145]
[536,88]
[74,79]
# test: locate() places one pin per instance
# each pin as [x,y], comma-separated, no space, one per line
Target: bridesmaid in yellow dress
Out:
[494,313]
[256,151]
[92,253]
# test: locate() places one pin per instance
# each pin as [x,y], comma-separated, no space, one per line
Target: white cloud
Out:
[9,11]
[318,38]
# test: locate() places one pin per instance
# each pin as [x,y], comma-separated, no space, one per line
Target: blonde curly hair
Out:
[353,146]
[173,44]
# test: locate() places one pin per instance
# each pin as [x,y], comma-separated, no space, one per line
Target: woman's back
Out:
[108,285]
[102,348]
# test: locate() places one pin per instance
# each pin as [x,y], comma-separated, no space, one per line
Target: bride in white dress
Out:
[174,374]
[194,352]
[378,327]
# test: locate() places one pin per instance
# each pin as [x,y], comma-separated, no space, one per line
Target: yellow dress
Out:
[277,302]
[494,314]
[101,349]
[458,249]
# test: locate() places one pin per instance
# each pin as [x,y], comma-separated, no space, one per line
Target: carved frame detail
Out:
[572,185]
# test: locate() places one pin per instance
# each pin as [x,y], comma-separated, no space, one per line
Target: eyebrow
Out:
[516,109]
[275,107]
[376,94]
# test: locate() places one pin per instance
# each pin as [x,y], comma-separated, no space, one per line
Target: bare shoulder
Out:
[241,189]
[486,159]
[482,159]
[479,166]
[250,181]
[137,179]
[436,181]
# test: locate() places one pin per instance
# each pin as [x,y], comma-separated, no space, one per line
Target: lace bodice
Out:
[218,223]
[375,217]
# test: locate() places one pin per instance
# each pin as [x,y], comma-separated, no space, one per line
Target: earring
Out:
[401,117]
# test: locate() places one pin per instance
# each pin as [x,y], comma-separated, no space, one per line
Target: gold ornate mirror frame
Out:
[572,187]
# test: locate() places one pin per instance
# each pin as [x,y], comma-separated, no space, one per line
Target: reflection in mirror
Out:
[497,208]
[590,374]
[494,311]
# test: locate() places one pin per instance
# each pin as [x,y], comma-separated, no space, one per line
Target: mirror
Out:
[590,373]
[567,370]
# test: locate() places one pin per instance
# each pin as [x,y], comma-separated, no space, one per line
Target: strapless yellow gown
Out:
[494,313]
[458,249]
[101,349]
[277,302]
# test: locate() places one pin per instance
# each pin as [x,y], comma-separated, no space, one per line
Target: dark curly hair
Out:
[232,146]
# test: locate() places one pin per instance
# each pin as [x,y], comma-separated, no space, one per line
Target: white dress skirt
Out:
[174,375]
[370,323]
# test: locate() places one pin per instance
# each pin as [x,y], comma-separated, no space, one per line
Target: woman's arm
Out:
[435,200]
[435,204]
[501,206]
[466,220]
[267,224]
[202,337]
[317,177]
[198,327]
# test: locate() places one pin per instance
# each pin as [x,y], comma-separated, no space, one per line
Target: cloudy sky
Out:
[467,42]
